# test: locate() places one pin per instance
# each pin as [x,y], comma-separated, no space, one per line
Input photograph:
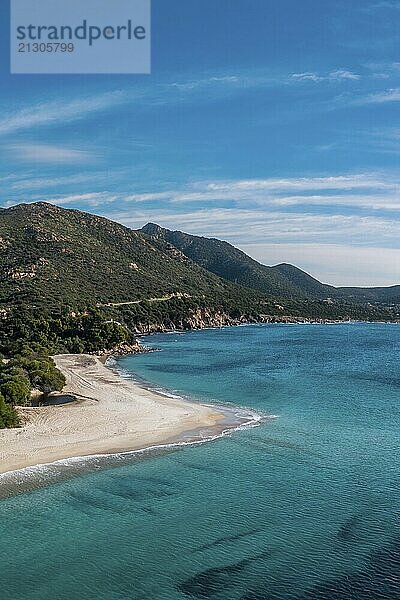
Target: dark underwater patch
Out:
[112,497]
[212,581]
[140,489]
[228,539]
[88,503]
[198,467]
[348,530]
[378,580]
[387,381]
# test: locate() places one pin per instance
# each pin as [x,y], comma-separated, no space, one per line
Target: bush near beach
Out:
[32,369]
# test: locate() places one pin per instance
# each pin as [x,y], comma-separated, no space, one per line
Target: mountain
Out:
[283,280]
[309,286]
[223,259]
[51,257]
[56,261]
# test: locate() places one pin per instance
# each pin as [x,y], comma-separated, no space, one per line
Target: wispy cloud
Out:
[338,249]
[46,153]
[379,191]
[277,219]
[369,191]
[382,5]
[207,82]
[87,199]
[343,74]
[336,75]
[246,226]
[40,183]
[392,95]
[90,199]
[359,190]
[30,181]
[59,112]
[383,70]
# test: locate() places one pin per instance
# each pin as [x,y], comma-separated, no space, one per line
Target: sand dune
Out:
[110,414]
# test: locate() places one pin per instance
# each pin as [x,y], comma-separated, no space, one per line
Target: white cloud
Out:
[148,197]
[336,75]
[359,190]
[30,181]
[307,76]
[379,191]
[244,226]
[392,95]
[341,265]
[46,153]
[343,182]
[375,202]
[189,86]
[91,199]
[59,112]
[33,183]
[343,74]
[338,249]
[383,5]
[206,88]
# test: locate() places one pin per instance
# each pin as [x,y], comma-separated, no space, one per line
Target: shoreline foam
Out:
[111,417]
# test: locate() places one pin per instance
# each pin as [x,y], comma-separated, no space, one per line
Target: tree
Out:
[16,390]
[42,373]
[47,378]
[8,415]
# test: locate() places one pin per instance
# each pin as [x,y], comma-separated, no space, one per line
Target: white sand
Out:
[111,414]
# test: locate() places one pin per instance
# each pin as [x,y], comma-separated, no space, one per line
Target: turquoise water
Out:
[304,507]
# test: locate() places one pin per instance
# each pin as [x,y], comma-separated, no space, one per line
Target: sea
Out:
[302,505]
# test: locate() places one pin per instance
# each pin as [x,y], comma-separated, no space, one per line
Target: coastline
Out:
[110,415]
[104,355]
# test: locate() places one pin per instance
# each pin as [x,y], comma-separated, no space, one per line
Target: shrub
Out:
[46,377]
[16,390]
[8,415]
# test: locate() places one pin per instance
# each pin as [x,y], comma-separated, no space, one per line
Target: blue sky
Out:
[273,124]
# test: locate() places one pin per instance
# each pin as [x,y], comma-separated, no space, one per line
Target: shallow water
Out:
[303,507]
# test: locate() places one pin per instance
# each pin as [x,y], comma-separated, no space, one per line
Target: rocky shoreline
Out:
[204,319]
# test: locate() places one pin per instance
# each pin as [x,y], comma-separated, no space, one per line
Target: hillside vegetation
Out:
[283,280]
[225,260]
[53,257]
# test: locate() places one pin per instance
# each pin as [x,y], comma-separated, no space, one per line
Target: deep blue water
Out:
[304,507]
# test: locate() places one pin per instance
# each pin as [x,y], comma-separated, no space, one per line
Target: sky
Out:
[272,124]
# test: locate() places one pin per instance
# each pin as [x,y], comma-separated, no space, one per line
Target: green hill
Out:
[52,256]
[284,280]
[59,264]
[305,283]
[223,259]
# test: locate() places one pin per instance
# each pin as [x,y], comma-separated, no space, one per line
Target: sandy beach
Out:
[110,414]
